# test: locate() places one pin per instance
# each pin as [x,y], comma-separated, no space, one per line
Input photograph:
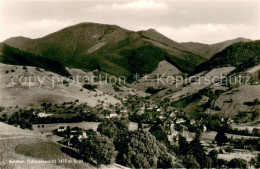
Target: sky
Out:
[202,21]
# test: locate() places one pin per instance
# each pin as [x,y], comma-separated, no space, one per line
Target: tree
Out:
[140,150]
[255,161]
[90,87]
[157,131]
[198,151]
[29,125]
[107,128]
[256,101]
[184,146]
[221,137]
[98,148]
[113,127]
[222,163]
[256,132]
[75,142]
[14,119]
[189,161]
[237,163]
[208,162]
[68,131]
[165,159]
[213,154]
[5,117]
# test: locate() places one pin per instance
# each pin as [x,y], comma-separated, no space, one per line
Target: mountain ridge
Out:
[99,46]
[108,48]
[209,50]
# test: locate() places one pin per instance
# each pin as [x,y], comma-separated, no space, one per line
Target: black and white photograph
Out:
[122,84]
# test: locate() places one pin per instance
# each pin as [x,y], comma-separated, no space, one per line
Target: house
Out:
[161,117]
[172,114]
[185,133]
[141,110]
[180,120]
[192,121]
[204,128]
[84,134]
[150,108]
[124,111]
[227,120]
[43,114]
[62,129]
[113,114]
[76,131]
[173,132]
[230,121]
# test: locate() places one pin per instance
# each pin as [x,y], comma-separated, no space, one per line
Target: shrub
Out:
[116,88]
[237,163]
[229,149]
[66,83]
[90,87]
[38,69]
[152,90]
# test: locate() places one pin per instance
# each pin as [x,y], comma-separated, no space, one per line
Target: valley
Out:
[115,98]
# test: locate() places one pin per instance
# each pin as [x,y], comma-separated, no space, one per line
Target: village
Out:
[167,124]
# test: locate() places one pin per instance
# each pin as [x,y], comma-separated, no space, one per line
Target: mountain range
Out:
[117,51]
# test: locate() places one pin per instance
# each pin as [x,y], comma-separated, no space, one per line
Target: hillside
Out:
[172,47]
[163,70]
[241,55]
[240,97]
[44,86]
[11,55]
[108,48]
[207,50]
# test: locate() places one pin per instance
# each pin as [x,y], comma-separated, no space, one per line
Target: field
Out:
[8,130]
[46,150]
[241,95]
[203,81]
[246,155]
[245,126]
[10,137]
[208,137]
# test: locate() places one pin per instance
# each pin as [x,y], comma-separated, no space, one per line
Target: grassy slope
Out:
[46,150]
[239,96]
[22,94]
